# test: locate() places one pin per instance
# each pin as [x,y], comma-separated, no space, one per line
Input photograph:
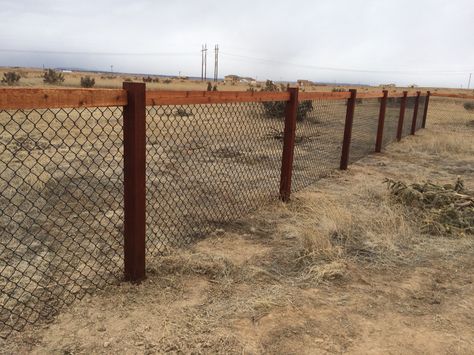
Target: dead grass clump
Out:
[323,235]
[194,263]
[443,143]
[446,209]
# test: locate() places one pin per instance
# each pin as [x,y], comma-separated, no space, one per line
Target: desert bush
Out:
[87,81]
[167,81]
[11,78]
[277,108]
[147,79]
[181,112]
[469,106]
[338,89]
[209,86]
[214,88]
[51,76]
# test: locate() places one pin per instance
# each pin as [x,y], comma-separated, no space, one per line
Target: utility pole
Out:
[216,62]
[204,62]
[469,83]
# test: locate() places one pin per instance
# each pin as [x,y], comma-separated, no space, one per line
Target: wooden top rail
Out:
[455,96]
[27,98]
[306,96]
[155,97]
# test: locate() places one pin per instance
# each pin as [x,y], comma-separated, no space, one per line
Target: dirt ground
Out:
[343,268]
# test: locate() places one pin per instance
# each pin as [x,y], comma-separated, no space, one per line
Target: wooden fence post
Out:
[415,112]
[288,145]
[134,181]
[383,109]
[401,118]
[425,113]
[346,143]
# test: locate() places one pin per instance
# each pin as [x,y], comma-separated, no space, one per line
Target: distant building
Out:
[302,83]
[237,79]
[387,85]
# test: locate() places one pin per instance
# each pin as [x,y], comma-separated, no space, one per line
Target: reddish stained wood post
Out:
[346,143]
[403,105]
[415,113]
[383,109]
[134,181]
[288,145]
[425,113]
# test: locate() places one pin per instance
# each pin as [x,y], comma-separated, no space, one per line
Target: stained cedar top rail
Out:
[28,98]
[455,96]
[159,97]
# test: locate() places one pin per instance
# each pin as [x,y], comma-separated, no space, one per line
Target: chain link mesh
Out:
[451,111]
[207,165]
[364,128]
[392,116]
[408,119]
[421,111]
[318,141]
[61,184]
[61,204]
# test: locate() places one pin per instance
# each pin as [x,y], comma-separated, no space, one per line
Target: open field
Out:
[342,268]
[34,78]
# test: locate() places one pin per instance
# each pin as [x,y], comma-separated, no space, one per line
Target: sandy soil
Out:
[340,269]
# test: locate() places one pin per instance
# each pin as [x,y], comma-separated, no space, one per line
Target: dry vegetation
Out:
[344,267]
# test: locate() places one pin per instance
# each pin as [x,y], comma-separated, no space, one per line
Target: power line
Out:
[33,51]
[265,60]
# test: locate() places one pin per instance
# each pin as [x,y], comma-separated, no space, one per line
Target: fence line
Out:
[93,180]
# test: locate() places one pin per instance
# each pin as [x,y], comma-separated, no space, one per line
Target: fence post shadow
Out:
[134,181]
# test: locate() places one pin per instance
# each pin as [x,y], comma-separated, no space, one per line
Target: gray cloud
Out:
[403,42]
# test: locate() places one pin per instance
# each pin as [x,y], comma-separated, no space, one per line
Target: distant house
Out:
[387,85]
[302,83]
[237,79]
[231,78]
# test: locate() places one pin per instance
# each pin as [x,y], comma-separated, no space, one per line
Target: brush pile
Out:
[444,209]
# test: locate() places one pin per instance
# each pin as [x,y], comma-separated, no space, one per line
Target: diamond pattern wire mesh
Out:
[392,115]
[408,119]
[61,189]
[207,165]
[364,128]
[318,141]
[421,111]
[451,111]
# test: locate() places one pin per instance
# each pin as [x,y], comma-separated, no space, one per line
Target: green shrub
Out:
[11,78]
[51,76]
[87,82]
[209,86]
[214,88]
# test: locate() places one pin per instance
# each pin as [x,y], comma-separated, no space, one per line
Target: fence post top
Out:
[131,84]
[418,93]
[385,92]
[405,93]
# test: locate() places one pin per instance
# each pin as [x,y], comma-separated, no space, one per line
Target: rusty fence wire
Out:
[61,209]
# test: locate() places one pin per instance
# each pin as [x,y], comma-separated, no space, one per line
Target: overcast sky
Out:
[426,42]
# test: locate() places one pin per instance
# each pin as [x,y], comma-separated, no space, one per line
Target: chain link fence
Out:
[457,112]
[208,165]
[318,141]
[62,181]
[60,209]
